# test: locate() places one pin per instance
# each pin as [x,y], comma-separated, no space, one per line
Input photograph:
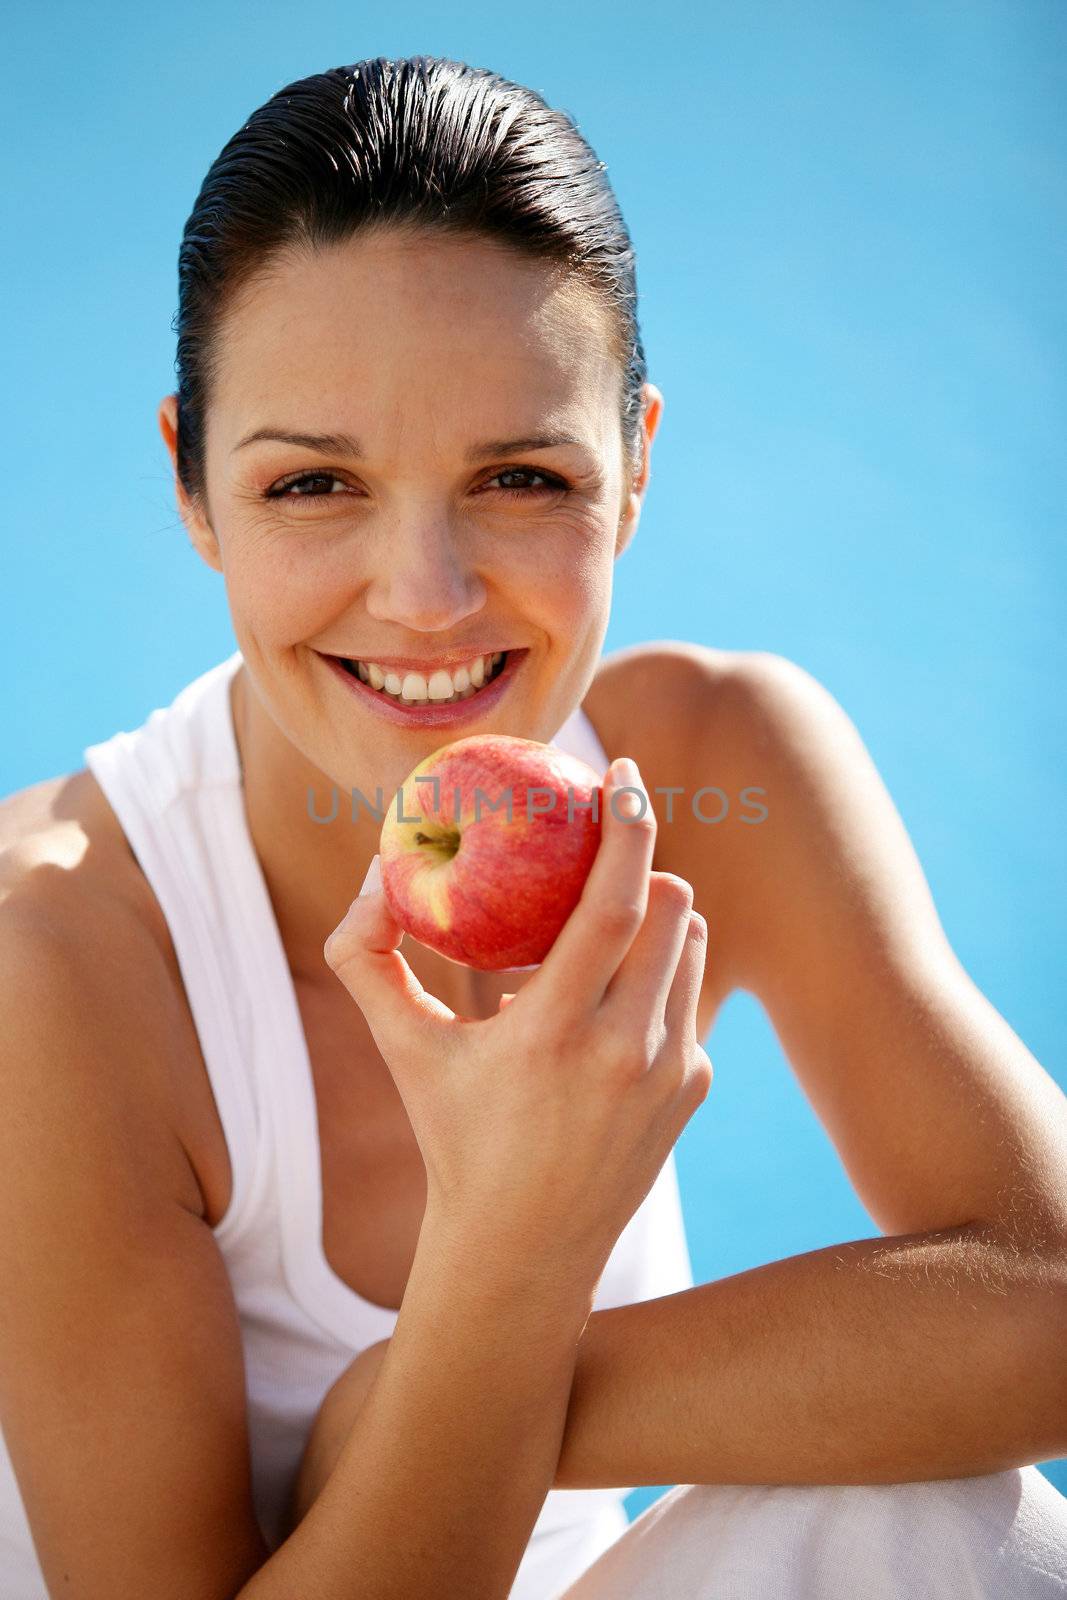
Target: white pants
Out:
[1002,1536]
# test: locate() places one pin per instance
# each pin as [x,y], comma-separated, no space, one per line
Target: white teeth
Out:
[413,687]
[441,686]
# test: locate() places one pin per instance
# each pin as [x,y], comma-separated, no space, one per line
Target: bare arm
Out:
[940,1114]
[122,1383]
[881,1360]
[877,1361]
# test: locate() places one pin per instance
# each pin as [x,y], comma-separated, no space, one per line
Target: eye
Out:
[552,484]
[280,491]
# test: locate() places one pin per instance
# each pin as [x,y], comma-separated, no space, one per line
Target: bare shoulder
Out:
[63,850]
[645,698]
[831,866]
[84,946]
[60,824]
[712,714]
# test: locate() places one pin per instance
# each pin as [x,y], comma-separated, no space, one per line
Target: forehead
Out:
[457,314]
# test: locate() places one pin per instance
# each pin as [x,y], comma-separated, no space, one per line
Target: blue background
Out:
[851,227]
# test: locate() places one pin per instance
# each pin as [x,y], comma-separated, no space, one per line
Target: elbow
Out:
[1054,1445]
[1045,1372]
[1057,1332]
[1025,1278]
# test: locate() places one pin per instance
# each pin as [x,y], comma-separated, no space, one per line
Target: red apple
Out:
[462,877]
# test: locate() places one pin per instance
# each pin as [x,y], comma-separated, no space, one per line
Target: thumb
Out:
[363,951]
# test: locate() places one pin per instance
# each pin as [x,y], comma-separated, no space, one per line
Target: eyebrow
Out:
[344,444]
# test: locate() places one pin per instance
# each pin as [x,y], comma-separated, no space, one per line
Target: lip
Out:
[425,714]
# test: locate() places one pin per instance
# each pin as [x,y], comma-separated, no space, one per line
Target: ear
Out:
[191,511]
[631,509]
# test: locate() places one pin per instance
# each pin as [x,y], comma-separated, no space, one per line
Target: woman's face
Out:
[419,534]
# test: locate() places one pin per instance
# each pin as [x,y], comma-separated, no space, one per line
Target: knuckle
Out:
[621,916]
[628,1051]
[698,927]
[699,1076]
[690,1068]
[338,949]
[643,821]
[674,893]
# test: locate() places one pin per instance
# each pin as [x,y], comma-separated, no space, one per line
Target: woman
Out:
[412,430]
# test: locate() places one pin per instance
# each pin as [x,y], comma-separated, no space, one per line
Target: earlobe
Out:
[628,522]
[203,538]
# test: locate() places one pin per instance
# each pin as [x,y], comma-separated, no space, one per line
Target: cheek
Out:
[286,588]
[576,578]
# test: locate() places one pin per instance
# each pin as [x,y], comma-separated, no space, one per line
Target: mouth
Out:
[442,695]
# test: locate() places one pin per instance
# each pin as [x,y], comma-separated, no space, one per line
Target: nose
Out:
[423,581]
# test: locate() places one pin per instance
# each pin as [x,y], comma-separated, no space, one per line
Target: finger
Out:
[604,923]
[680,1012]
[505,1000]
[639,989]
[363,951]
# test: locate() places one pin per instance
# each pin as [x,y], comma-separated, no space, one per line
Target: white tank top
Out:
[175,785]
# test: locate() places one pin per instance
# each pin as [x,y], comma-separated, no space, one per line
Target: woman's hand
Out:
[333,1423]
[543,1128]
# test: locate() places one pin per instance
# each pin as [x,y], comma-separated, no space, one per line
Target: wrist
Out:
[480,1267]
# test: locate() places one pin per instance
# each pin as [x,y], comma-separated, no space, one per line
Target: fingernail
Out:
[373,881]
[624,772]
[625,776]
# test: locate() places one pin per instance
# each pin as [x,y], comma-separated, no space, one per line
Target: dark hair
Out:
[419,142]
